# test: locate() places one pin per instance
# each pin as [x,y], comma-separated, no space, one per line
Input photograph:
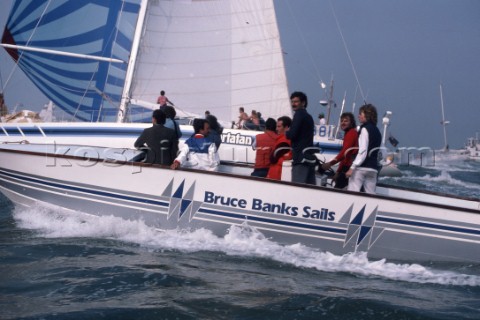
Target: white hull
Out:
[425,228]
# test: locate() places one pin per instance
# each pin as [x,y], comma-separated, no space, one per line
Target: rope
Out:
[304,41]
[348,52]
[28,41]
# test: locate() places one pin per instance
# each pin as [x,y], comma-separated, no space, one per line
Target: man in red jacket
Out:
[348,152]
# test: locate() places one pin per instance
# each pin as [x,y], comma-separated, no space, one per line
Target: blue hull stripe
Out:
[274,221]
[429,225]
[88,191]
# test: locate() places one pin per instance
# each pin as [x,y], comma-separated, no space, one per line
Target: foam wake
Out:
[240,241]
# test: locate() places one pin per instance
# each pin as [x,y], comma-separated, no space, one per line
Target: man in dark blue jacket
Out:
[162,142]
[301,135]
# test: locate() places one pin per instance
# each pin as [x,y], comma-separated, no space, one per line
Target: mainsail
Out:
[215,55]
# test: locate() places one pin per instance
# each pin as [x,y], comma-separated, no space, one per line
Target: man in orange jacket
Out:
[264,144]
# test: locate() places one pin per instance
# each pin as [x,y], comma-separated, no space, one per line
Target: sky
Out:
[391,53]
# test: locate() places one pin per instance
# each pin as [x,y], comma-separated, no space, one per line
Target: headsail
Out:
[89,90]
[213,54]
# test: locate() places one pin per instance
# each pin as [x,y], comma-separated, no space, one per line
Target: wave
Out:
[240,241]
[445,161]
[444,176]
[460,181]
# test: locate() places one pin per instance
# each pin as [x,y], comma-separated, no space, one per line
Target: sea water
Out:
[69,265]
[450,174]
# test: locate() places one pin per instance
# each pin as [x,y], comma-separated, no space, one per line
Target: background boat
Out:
[472,148]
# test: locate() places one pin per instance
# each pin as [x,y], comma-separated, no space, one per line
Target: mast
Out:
[340,116]
[444,122]
[386,123]
[330,100]
[131,62]
[327,103]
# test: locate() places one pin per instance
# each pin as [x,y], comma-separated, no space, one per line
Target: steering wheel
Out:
[329,172]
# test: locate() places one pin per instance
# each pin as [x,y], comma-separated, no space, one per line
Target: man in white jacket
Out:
[199,151]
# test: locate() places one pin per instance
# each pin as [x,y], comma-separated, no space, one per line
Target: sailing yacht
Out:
[105,62]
